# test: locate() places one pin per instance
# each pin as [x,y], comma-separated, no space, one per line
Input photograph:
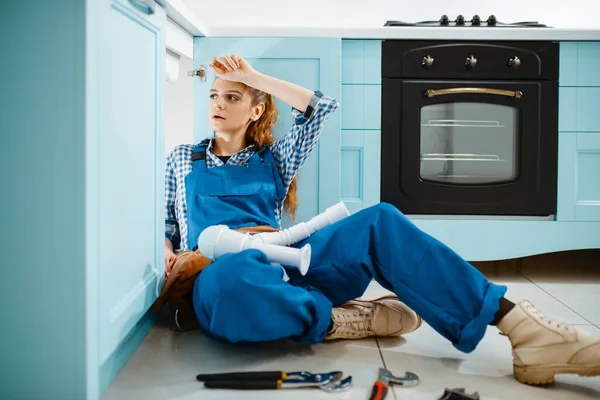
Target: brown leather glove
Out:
[186,268]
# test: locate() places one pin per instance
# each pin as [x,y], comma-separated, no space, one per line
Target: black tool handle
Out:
[242,376]
[233,384]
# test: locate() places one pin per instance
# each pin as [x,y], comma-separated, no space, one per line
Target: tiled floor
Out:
[565,286]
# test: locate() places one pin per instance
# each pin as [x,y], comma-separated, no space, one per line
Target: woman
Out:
[243,177]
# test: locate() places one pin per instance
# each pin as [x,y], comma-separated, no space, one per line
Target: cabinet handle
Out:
[498,92]
[146,6]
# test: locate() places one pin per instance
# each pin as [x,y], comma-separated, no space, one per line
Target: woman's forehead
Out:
[223,85]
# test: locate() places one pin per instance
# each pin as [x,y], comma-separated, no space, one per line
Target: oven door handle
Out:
[472,90]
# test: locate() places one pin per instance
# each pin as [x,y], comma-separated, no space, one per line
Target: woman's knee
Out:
[386,217]
[387,209]
[384,212]
[232,276]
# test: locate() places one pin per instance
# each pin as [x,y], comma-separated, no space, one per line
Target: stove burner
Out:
[476,21]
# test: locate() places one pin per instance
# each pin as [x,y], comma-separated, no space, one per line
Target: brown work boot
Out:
[543,347]
[385,316]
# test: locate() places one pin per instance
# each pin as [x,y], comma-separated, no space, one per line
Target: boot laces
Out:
[547,320]
[353,322]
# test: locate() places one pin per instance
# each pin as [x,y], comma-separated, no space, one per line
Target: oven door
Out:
[470,147]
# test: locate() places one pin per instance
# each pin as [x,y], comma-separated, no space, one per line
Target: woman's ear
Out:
[257,111]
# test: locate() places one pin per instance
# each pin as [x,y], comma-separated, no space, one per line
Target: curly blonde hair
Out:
[260,133]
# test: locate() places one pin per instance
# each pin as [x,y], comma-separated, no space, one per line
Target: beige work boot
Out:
[543,347]
[385,316]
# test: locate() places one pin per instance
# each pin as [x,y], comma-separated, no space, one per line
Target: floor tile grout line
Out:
[380,353]
[519,270]
[391,389]
[555,298]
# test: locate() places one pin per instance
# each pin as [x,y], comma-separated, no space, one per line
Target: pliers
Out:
[330,382]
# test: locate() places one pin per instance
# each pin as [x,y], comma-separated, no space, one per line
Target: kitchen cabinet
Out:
[578,183]
[83,161]
[82,165]
[579,133]
[361,123]
[579,64]
[484,238]
[310,62]
[129,155]
[578,109]
[360,164]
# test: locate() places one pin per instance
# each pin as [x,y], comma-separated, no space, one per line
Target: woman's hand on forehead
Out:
[231,68]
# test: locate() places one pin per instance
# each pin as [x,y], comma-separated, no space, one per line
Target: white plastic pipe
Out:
[217,240]
[303,230]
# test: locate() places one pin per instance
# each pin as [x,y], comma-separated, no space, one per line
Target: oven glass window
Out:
[469,143]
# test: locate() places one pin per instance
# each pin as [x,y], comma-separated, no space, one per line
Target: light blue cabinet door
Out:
[361,62]
[578,109]
[126,169]
[312,63]
[579,64]
[361,168]
[578,183]
[362,107]
[361,123]
[42,244]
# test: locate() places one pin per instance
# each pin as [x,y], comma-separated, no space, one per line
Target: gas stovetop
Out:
[461,22]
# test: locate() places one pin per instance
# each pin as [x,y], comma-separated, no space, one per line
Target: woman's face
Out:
[230,109]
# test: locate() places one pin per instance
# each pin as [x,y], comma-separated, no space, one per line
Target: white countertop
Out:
[418,33]
[572,20]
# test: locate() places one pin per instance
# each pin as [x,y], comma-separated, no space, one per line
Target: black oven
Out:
[470,127]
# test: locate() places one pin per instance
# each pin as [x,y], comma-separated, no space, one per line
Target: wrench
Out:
[381,385]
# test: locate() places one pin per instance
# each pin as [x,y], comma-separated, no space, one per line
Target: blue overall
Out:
[243,298]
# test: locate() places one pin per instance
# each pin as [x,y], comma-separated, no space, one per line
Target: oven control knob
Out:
[471,62]
[427,62]
[460,20]
[514,62]
[476,21]
[444,21]
[491,21]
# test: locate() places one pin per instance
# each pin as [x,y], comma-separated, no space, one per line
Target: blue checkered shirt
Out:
[289,154]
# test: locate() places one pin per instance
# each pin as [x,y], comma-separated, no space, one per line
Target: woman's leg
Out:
[380,242]
[449,293]
[243,298]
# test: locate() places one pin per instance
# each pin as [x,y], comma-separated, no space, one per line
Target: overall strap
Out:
[257,157]
[199,155]
[266,156]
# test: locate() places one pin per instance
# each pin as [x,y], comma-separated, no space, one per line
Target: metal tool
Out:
[337,386]
[458,394]
[330,382]
[385,378]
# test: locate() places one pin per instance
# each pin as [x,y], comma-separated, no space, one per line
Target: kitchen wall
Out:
[179,105]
